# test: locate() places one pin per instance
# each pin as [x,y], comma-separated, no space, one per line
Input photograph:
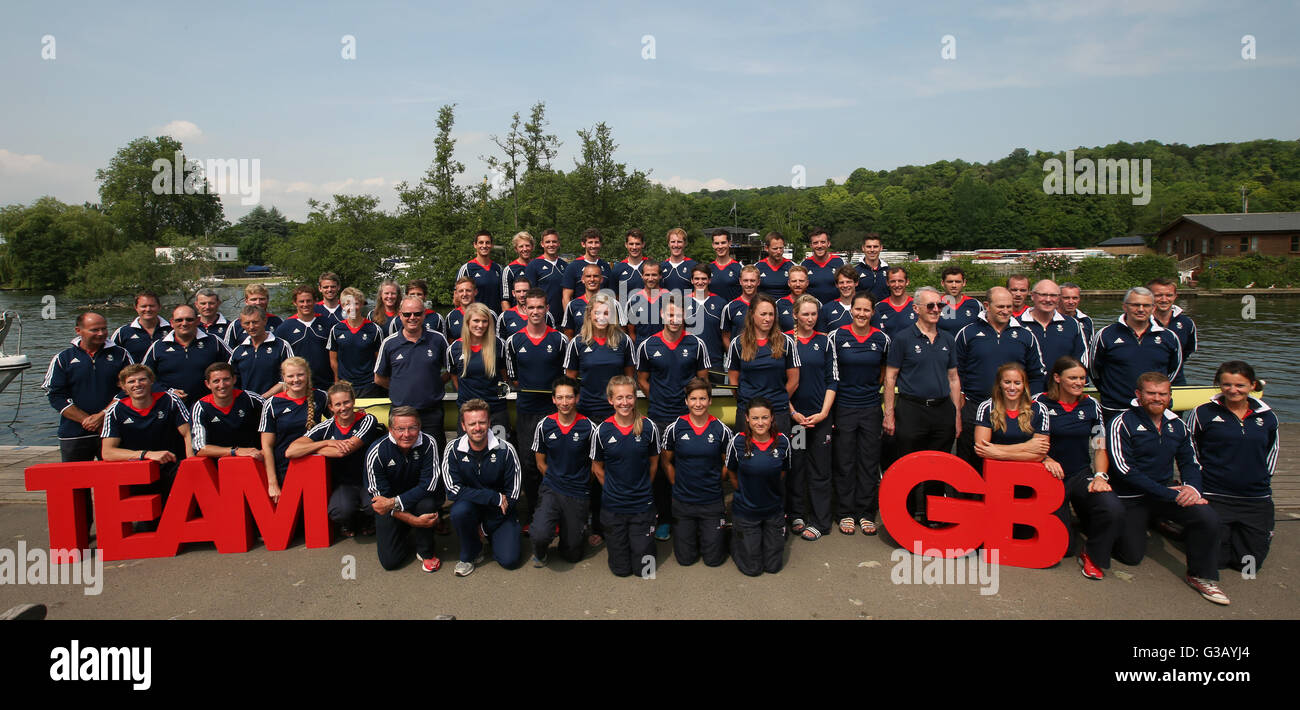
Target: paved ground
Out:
[837,577]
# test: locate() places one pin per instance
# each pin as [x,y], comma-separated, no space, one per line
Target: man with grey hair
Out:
[1124,350]
[1057,335]
[208,303]
[922,362]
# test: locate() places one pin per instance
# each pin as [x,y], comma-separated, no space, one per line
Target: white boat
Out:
[11,365]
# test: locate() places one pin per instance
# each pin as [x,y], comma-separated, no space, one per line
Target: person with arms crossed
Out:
[344,439]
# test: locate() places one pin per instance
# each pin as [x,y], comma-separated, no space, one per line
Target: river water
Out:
[1268,341]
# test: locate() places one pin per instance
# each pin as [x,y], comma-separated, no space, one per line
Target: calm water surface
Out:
[1269,342]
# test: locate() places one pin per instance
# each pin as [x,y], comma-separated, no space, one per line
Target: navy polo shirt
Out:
[704,320]
[785,313]
[409,475]
[573,274]
[357,351]
[1143,455]
[821,277]
[568,454]
[733,316]
[981,350]
[893,320]
[760,473]
[348,469]
[257,369]
[671,365]
[817,371]
[1038,422]
[217,329]
[308,341]
[1072,430]
[454,322]
[152,429]
[626,456]
[513,321]
[573,314]
[1181,325]
[75,377]
[698,456]
[625,278]
[414,368]
[954,318]
[774,280]
[859,362]
[835,315]
[181,367]
[873,281]
[643,313]
[1119,357]
[549,276]
[764,376]
[597,363]
[1237,456]
[535,365]
[234,426]
[1085,322]
[475,383]
[136,340]
[677,277]
[1060,337]
[512,271]
[725,280]
[286,417]
[481,477]
[235,334]
[487,279]
[922,365]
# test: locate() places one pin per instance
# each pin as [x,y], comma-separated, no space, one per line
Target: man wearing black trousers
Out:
[402,476]
[1145,441]
[922,362]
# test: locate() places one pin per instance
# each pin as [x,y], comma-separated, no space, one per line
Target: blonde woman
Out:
[477,362]
[286,417]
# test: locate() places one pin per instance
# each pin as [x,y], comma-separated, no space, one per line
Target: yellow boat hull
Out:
[724,403]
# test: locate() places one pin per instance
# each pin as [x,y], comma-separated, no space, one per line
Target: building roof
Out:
[1243,222]
[1131,241]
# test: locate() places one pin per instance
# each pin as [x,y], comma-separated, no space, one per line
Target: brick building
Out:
[1219,235]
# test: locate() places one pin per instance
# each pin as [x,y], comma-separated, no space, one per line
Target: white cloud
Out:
[183,131]
[692,185]
[27,176]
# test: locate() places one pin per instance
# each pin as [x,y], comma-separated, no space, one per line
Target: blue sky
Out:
[736,94]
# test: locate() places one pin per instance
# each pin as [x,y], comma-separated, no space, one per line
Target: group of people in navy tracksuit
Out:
[804,452]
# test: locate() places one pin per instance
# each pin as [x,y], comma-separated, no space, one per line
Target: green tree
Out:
[118,274]
[256,231]
[129,192]
[347,236]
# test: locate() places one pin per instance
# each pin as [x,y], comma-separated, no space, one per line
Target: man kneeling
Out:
[402,477]
[482,476]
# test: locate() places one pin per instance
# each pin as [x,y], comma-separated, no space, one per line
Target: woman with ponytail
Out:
[286,417]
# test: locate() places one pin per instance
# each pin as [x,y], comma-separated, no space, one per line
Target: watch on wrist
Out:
[232,451]
[1102,475]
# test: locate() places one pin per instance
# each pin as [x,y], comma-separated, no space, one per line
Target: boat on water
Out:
[11,365]
[724,403]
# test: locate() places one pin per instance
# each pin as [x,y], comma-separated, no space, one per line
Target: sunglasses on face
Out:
[417,314]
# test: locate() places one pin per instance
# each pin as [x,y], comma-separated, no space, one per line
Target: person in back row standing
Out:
[774,270]
[547,273]
[872,269]
[142,332]
[1169,315]
[822,266]
[307,333]
[676,274]
[485,274]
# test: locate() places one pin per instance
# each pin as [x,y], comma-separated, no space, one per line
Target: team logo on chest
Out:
[1080,415]
[1157,340]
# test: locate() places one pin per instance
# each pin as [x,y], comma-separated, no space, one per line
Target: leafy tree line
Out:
[947,204]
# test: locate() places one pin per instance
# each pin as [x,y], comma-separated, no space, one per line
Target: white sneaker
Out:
[463,569]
